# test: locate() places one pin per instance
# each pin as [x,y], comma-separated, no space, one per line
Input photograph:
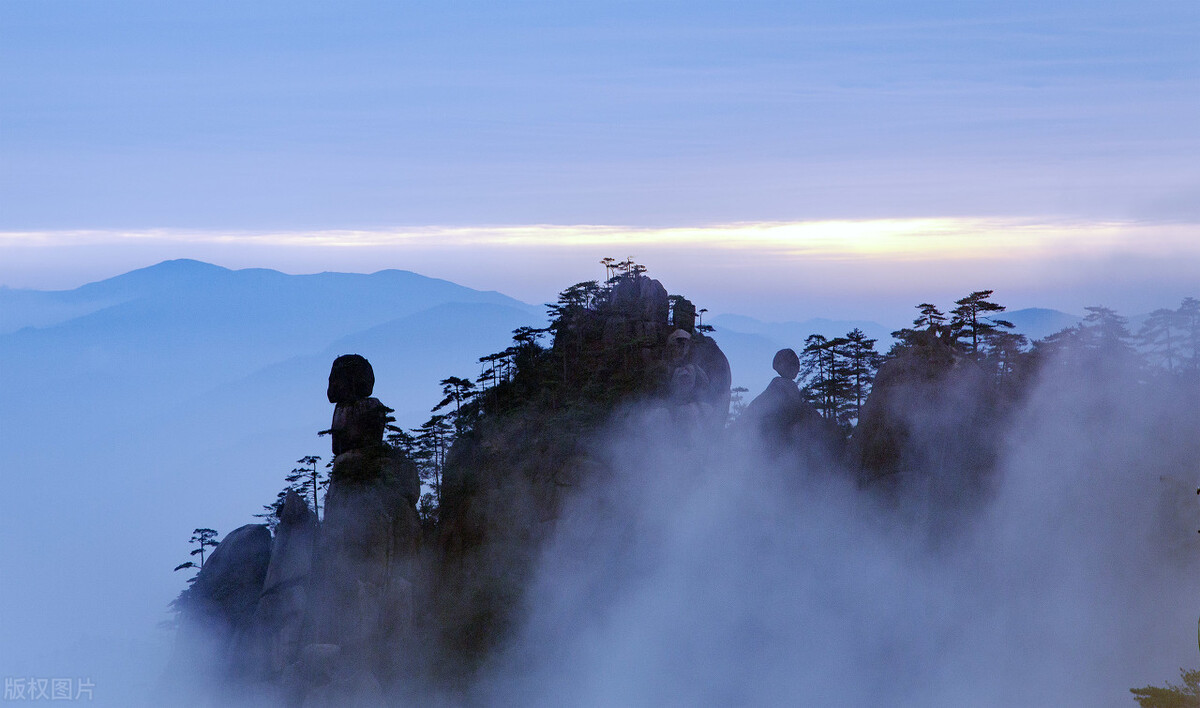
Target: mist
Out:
[720,576]
[682,569]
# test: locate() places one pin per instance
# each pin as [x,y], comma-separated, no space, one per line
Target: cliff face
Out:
[930,429]
[505,484]
[577,457]
[365,607]
[321,614]
[357,608]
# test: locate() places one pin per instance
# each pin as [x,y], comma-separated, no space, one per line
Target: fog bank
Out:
[700,577]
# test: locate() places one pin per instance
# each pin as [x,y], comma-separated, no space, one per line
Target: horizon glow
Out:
[935,237]
[736,267]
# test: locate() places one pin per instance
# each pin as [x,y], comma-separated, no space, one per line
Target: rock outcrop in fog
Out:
[321,615]
[349,609]
[931,428]
[606,463]
[506,480]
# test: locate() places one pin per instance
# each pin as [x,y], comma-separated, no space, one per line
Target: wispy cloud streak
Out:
[927,238]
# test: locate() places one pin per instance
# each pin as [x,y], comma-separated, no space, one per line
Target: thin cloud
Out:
[890,239]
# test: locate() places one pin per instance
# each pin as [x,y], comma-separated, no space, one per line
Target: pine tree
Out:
[1004,351]
[1103,336]
[457,391]
[737,402]
[861,363]
[1185,695]
[610,269]
[970,319]
[1104,330]
[203,538]
[1161,337]
[270,512]
[433,439]
[308,482]
[490,371]
[428,511]
[403,441]
[1189,323]
[929,319]
[824,372]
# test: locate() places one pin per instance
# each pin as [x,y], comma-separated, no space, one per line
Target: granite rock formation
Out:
[505,484]
[362,587]
[349,609]
[216,612]
[273,638]
[358,419]
[931,425]
[321,614]
[783,422]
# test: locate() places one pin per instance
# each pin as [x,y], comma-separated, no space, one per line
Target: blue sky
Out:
[123,118]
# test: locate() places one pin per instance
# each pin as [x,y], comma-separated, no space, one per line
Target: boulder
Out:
[708,356]
[350,378]
[683,315]
[227,588]
[273,638]
[291,552]
[359,423]
[786,363]
[641,298]
[783,419]
[207,665]
[784,423]
[654,302]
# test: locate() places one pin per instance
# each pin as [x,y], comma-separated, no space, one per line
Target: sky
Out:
[780,159]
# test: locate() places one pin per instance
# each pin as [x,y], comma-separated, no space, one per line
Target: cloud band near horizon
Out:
[1085,262]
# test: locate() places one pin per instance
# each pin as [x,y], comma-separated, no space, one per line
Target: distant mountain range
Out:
[344,301]
[1039,323]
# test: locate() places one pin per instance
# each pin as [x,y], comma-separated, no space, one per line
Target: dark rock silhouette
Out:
[505,484]
[362,574]
[635,313]
[226,590]
[683,315]
[640,298]
[214,615]
[705,354]
[786,363]
[368,540]
[931,425]
[346,610]
[698,387]
[273,639]
[783,421]
[358,419]
[322,614]
[350,378]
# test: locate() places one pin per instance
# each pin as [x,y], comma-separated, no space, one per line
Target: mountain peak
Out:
[173,273]
[188,263]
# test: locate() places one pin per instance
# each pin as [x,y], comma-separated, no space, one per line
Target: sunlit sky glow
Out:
[893,239]
[872,268]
